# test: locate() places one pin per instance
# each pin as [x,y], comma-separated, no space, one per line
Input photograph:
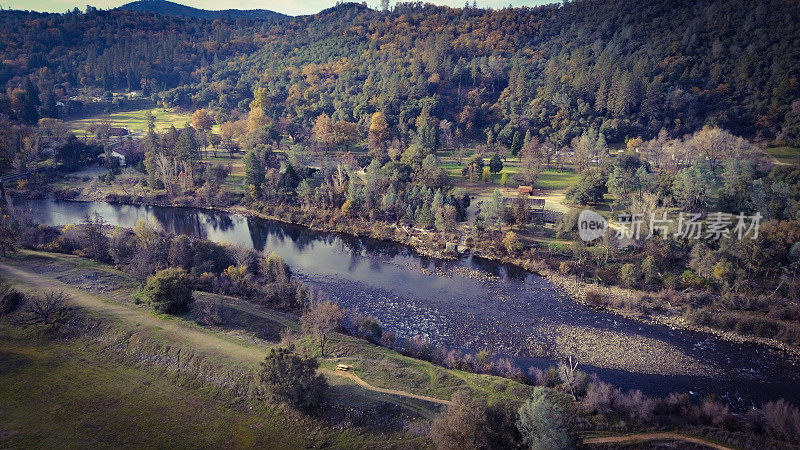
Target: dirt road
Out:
[643,437]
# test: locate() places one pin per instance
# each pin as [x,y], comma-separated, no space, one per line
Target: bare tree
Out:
[46,309]
[572,378]
[321,318]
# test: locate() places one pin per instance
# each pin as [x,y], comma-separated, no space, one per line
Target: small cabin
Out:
[525,190]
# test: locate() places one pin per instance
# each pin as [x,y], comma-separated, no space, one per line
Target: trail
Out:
[643,437]
[372,388]
[204,340]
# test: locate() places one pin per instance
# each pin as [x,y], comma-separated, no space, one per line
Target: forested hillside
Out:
[622,68]
[168,8]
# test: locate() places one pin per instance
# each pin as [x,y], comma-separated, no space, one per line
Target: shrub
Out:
[10,300]
[599,398]
[293,379]
[636,405]
[783,419]
[388,339]
[169,291]
[594,298]
[542,423]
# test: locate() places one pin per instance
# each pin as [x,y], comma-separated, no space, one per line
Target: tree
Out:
[542,423]
[530,165]
[169,291]
[95,242]
[494,210]
[495,164]
[293,379]
[323,131]
[511,243]
[320,319]
[463,425]
[202,120]
[474,168]
[630,175]
[516,143]
[591,187]
[378,131]
[150,120]
[253,171]
[694,186]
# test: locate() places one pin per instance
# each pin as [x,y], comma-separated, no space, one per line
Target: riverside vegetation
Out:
[77,304]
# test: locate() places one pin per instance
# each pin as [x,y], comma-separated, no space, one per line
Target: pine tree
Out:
[516,143]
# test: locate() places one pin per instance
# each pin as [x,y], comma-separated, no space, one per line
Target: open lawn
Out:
[135,120]
[785,155]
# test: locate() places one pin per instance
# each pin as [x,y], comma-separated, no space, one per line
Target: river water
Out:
[475,304]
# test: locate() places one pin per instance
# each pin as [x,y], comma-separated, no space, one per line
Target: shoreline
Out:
[569,285]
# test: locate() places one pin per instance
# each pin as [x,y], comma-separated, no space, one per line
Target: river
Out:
[475,304]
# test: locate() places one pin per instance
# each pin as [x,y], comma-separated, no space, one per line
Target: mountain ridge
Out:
[168,8]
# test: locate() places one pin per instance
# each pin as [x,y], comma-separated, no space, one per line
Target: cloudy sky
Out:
[292,7]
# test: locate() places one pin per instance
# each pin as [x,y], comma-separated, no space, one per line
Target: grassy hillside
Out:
[178,350]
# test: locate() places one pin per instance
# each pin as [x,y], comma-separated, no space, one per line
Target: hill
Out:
[168,8]
[621,69]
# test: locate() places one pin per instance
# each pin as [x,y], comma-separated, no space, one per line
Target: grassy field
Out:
[58,394]
[134,120]
[79,371]
[785,155]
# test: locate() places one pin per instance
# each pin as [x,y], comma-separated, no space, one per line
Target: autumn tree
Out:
[323,131]
[378,132]
[202,120]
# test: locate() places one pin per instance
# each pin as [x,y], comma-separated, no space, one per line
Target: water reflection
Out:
[477,304]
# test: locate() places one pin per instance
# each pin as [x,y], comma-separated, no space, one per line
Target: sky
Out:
[291,7]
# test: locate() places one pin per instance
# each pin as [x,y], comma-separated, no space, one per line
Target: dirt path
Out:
[643,437]
[372,388]
[198,338]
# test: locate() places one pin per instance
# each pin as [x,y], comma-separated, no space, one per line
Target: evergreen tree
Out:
[253,171]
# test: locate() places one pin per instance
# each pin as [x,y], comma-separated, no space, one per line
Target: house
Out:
[117,131]
[114,154]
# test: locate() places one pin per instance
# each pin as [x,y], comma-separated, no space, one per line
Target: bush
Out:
[169,291]
[293,379]
[542,423]
[782,419]
[10,300]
